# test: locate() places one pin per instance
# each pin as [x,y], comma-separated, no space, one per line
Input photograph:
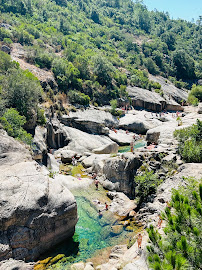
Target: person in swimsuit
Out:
[139,241]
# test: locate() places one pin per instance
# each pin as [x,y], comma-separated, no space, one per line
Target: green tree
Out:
[180,248]
[103,69]
[184,65]
[195,95]
[146,184]
[65,73]
[13,122]
[95,16]
[151,66]
[22,91]
[78,97]
[113,104]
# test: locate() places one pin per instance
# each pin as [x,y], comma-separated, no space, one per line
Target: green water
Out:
[123,149]
[92,233]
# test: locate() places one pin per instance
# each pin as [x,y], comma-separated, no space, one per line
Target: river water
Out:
[93,234]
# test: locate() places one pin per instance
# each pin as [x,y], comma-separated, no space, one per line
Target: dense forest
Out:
[96,48]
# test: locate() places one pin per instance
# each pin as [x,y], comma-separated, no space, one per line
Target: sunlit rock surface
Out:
[36,211]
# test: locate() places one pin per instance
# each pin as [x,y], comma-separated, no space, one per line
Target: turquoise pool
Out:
[92,234]
[123,149]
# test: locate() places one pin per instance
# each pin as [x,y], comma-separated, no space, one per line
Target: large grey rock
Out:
[93,159]
[56,135]
[36,212]
[121,204]
[90,120]
[121,137]
[169,89]
[12,151]
[138,264]
[138,123]
[111,148]
[142,98]
[82,142]
[74,139]
[109,185]
[39,143]
[120,170]
[163,134]
[65,154]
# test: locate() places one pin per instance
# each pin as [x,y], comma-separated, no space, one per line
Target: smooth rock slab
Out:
[121,137]
[111,148]
[91,120]
[138,123]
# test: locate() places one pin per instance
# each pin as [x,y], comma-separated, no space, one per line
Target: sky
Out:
[183,9]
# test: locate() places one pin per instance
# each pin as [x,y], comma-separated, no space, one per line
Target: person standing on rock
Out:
[131,146]
[139,241]
[160,222]
[74,162]
[100,214]
[106,206]
[96,184]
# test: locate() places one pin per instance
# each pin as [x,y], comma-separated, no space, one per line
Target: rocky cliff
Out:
[36,212]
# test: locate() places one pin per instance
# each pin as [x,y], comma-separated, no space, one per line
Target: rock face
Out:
[138,123]
[120,170]
[82,142]
[56,135]
[169,89]
[150,210]
[76,140]
[90,120]
[142,98]
[39,144]
[163,134]
[36,212]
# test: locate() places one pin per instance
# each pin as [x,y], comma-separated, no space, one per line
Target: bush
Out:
[147,184]
[6,62]
[12,122]
[190,142]
[151,66]
[103,69]
[41,119]
[21,90]
[195,95]
[113,104]
[78,97]
[7,41]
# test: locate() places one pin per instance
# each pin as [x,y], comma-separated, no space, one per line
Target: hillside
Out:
[99,47]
